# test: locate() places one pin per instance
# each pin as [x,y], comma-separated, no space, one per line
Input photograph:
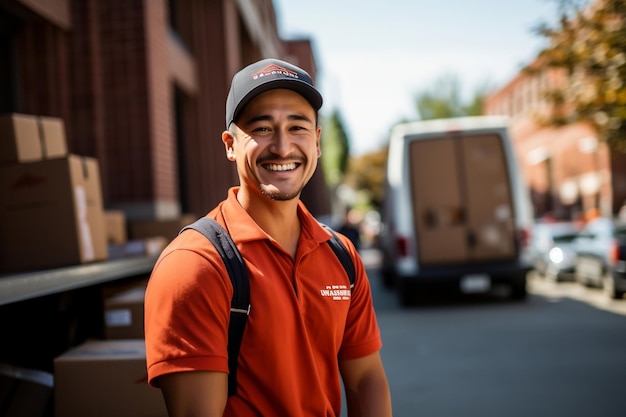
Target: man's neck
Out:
[279,219]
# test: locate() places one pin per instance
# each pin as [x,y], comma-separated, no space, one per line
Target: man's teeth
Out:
[276,167]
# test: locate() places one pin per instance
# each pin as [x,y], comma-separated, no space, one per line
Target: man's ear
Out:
[229,144]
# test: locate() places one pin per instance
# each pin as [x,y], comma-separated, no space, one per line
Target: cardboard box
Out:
[105,378]
[19,138]
[25,392]
[123,313]
[52,137]
[152,246]
[115,226]
[51,214]
[27,138]
[167,228]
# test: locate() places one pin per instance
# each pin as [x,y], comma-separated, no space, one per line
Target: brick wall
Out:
[108,75]
[564,178]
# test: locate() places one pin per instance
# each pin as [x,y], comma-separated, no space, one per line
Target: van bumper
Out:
[503,270]
[454,278]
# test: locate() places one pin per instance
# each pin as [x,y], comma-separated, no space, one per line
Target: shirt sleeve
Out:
[187,308]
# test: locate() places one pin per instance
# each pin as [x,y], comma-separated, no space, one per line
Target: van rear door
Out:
[463,209]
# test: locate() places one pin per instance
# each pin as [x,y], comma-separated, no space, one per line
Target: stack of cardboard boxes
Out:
[150,240]
[51,208]
[51,211]
[52,215]
[110,373]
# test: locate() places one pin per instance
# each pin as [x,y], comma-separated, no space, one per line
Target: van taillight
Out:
[614,253]
[523,237]
[402,245]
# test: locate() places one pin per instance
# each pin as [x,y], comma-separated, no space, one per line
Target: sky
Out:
[374,58]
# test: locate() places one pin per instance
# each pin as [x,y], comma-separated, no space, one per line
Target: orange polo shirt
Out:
[297,329]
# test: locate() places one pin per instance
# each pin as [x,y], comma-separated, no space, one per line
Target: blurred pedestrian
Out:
[351,227]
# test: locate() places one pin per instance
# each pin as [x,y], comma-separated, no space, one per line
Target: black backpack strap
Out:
[240,303]
[342,253]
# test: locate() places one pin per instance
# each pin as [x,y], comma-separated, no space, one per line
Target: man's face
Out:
[276,145]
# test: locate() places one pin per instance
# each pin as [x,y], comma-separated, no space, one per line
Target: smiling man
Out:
[307,330]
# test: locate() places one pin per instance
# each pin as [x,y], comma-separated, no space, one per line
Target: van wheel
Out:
[388,278]
[406,299]
[518,290]
[404,293]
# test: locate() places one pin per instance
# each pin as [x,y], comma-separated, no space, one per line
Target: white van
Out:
[457,214]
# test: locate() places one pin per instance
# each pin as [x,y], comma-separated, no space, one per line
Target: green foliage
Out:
[588,44]
[444,100]
[475,106]
[367,173]
[335,149]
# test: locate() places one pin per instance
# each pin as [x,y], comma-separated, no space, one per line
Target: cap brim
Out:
[304,89]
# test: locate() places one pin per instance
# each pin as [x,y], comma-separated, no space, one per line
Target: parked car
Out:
[601,256]
[553,251]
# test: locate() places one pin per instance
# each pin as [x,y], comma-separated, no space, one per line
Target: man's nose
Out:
[281,144]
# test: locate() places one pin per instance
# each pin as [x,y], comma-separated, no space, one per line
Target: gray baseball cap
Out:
[265,75]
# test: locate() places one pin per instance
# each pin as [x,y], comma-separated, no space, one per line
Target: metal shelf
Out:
[20,287]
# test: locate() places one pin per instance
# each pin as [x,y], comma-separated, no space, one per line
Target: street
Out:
[562,352]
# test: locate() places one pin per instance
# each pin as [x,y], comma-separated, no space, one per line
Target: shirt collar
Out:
[243,228]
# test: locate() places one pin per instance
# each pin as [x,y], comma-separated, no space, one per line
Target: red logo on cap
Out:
[274,69]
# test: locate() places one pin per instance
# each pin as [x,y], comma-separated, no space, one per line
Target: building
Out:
[141,86]
[570,172]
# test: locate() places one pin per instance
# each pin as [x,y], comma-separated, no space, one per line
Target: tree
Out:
[588,46]
[367,173]
[444,99]
[336,150]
